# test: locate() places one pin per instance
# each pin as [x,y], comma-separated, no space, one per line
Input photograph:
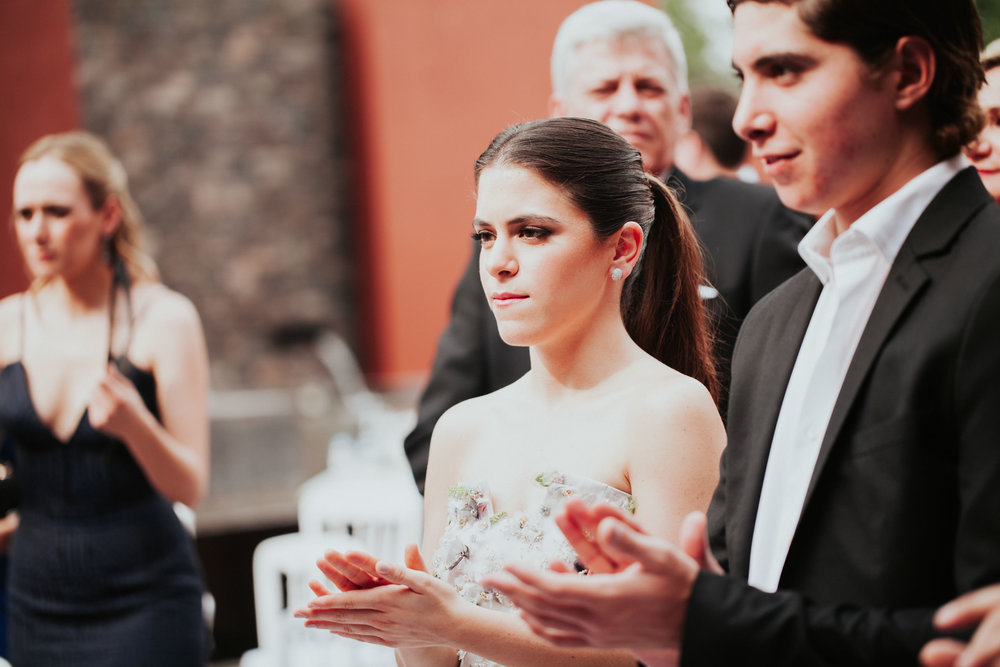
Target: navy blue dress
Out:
[101,570]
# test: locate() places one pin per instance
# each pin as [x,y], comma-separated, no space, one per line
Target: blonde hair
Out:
[103,176]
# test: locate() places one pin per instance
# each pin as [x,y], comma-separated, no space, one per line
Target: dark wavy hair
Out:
[873,27]
[602,175]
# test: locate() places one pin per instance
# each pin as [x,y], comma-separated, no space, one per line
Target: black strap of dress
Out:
[20,350]
[120,278]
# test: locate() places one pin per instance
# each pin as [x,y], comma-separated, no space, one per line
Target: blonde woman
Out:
[103,388]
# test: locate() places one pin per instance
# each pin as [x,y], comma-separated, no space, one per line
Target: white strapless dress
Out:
[479,541]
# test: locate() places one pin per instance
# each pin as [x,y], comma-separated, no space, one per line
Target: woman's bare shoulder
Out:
[465,423]
[160,305]
[667,401]
[10,306]
[672,391]
[460,421]
[167,327]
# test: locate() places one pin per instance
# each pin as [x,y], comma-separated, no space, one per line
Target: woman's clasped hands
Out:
[382,603]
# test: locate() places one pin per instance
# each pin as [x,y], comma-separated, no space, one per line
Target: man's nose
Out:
[752,121]
[38,228]
[979,149]
[626,100]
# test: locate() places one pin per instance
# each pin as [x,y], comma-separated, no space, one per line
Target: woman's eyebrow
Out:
[519,220]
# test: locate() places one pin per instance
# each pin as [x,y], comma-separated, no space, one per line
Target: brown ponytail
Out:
[662,309]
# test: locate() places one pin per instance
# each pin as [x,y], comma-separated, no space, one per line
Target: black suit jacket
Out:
[750,246]
[903,509]
[750,241]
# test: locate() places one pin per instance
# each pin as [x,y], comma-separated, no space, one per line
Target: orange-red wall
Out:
[433,81]
[36,75]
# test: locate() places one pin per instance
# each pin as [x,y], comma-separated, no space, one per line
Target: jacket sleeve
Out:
[730,622]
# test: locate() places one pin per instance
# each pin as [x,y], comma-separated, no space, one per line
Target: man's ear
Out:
[556,107]
[916,65]
[685,114]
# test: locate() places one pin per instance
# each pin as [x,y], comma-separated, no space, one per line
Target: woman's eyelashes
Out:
[528,232]
[483,236]
[534,233]
[52,211]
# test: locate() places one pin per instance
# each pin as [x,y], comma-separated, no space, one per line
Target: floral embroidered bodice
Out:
[479,541]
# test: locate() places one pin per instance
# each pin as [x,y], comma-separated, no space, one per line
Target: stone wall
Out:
[227,117]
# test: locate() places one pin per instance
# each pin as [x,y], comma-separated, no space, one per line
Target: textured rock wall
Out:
[227,116]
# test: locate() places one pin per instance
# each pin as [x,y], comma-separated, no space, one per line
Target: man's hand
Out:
[981,606]
[640,604]
[579,522]
[694,542]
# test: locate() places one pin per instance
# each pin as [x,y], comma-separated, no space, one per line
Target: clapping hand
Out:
[381,603]
[980,606]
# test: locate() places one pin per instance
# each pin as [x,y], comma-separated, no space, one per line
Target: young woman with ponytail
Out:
[592,265]
[103,391]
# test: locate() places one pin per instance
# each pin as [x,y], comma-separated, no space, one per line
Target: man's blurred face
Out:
[629,85]
[985,151]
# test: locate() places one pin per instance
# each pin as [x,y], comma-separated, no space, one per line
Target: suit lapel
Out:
[773,370]
[901,286]
[932,233]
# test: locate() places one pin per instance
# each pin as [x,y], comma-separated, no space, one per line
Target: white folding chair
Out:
[282,568]
[381,509]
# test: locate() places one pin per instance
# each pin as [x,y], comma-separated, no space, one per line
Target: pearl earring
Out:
[616,273]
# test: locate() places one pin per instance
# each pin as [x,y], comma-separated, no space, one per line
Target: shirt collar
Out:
[887,224]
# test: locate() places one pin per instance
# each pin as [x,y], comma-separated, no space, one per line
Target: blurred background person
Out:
[712,148]
[103,392]
[985,151]
[9,498]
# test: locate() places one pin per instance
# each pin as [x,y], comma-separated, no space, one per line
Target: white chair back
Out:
[282,568]
[380,509]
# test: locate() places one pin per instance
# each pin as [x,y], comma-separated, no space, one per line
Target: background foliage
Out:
[989,11]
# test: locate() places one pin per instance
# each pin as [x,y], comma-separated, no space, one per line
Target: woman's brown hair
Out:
[602,175]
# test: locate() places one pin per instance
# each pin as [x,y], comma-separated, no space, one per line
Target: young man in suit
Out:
[621,62]
[861,483]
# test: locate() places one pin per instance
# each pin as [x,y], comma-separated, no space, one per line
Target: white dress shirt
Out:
[852,268]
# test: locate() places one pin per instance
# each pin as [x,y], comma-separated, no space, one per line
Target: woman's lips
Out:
[506,298]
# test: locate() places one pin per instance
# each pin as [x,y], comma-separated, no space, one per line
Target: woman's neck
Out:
[574,364]
[81,295]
